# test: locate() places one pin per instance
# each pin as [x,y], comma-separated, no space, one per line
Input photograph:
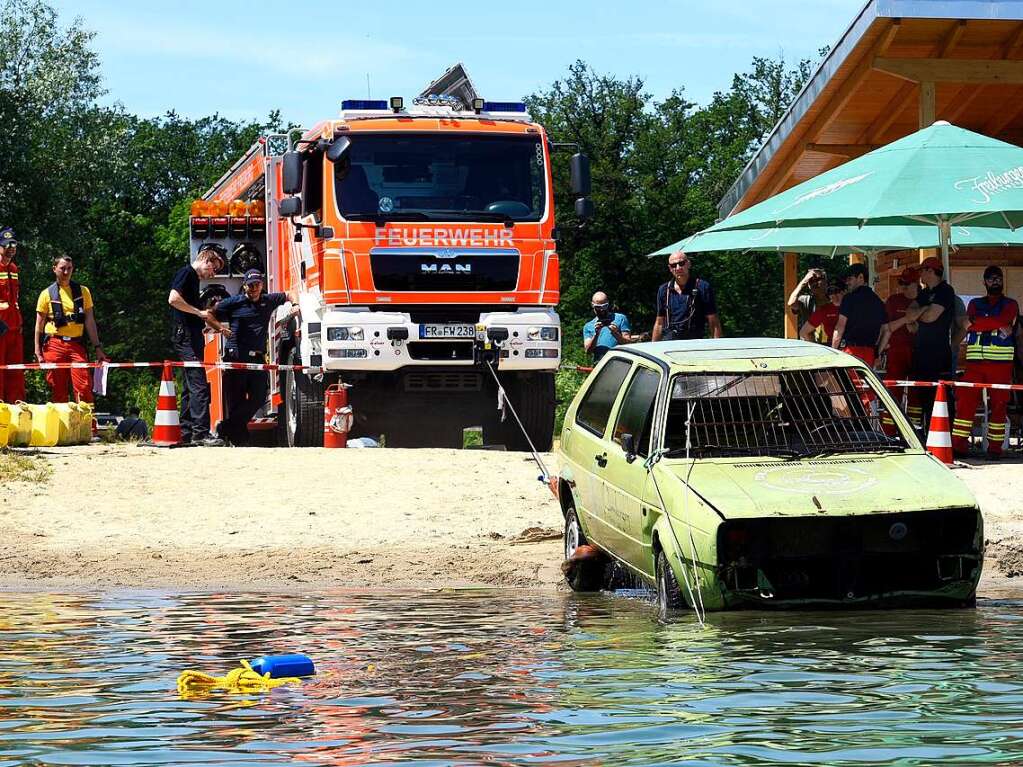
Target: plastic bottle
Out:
[200,208]
[219,208]
[257,208]
[239,208]
[283,665]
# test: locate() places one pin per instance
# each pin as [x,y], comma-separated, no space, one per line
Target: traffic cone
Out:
[939,436]
[167,428]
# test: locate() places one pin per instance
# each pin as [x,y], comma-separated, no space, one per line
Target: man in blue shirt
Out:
[249,317]
[606,330]
[685,304]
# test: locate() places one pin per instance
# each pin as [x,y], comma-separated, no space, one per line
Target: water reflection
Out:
[507,679]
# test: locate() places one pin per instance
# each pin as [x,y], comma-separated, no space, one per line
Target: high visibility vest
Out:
[989,345]
[60,317]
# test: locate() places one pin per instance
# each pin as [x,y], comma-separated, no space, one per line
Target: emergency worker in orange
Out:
[825,315]
[12,382]
[990,349]
[63,317]
[899,344]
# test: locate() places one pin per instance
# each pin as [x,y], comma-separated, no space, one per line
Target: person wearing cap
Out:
[248,315]
[685,304]
[607,329]
[990,350]
[12,382]
[824,318]
[934,315]
[860,317]
[188,321]
[63,317]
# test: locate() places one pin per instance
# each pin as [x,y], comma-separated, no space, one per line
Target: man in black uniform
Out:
[685,304]
[860,317]
[249,317]
[187,324]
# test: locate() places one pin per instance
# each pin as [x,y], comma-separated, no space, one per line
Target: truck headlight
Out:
[542,334]
[345,334]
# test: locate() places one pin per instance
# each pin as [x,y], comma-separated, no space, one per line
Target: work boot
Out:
[210,441]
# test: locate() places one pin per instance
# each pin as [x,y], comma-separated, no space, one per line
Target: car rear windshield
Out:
[795,413]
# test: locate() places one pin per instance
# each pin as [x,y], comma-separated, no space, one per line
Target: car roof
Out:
[739,354]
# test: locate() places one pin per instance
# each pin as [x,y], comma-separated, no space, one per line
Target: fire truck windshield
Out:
[434,178]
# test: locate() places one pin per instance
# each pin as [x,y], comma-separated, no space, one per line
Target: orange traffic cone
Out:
[167,428]
[939,436]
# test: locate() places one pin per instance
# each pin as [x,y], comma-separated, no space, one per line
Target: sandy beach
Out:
[207,519]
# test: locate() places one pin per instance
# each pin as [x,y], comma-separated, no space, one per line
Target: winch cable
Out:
[695,595]
[503,397]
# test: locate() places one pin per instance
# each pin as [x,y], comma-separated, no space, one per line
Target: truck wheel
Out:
[302,409]
[669,595]
[533,398]
[585,574]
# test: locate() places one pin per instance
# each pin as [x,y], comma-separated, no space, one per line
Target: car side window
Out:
[596,406]
[636,414]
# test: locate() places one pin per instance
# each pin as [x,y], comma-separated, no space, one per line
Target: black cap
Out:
[993,271]
[7,237]
[253,275]
[858,270]
[836,286]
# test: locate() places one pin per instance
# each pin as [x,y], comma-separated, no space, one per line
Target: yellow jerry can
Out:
[45,425]
[21,425]
[5,423]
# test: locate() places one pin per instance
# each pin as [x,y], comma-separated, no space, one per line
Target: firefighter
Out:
[12,382]
[898,345]
[248,315]
[187,324]
[990,348]
[825,316]
[63,317]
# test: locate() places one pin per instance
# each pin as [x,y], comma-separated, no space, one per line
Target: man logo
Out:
[445,268]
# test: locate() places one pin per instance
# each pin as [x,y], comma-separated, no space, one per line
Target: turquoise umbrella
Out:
[839,240]
[939,176]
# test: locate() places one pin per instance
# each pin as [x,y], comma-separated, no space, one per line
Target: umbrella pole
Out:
[945,232]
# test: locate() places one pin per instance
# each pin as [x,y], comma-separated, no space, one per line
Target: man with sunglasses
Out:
[990,349]
[685,304]
[607,329]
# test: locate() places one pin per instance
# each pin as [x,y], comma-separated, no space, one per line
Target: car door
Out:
[625,477]
[588,447]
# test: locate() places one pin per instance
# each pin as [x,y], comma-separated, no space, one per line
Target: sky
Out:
[244,59]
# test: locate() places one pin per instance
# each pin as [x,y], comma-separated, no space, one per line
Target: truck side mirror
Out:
[579,167]
[338,148]
[583,208]
[291,174]
[629,447]
[289,206]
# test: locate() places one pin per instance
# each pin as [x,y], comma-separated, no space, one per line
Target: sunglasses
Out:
[993,278]
[678,265]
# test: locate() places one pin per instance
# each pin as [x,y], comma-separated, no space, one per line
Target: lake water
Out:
[499,678]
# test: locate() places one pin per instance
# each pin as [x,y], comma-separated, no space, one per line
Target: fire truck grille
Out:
[401,270]
[453,381]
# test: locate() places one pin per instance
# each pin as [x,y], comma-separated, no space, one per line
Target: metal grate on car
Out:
[798,413]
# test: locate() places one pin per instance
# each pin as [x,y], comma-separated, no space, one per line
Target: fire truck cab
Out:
[422,242]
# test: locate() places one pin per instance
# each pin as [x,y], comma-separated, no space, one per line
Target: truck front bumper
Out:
[359,340]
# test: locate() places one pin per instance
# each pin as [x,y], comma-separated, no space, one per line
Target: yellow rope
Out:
[238,680]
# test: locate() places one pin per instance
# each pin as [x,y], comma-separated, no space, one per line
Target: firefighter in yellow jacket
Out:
[63,317]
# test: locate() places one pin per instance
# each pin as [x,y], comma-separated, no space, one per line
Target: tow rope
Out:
[502,396]
[244,680]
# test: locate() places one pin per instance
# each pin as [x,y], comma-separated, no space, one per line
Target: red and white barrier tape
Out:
[962,384]
[172,363]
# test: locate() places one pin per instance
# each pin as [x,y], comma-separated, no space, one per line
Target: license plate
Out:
[447,331]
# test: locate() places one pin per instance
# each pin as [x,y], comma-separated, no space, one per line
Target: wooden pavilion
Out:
[901,65]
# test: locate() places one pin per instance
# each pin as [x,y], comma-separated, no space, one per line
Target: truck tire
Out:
[532,396]
[301,412]
[669,594]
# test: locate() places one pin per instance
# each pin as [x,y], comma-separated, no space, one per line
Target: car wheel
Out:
[581,574]
[669,594]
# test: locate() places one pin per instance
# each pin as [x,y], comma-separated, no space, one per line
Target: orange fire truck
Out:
[422,242]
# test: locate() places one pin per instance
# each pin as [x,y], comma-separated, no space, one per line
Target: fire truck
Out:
[421,240]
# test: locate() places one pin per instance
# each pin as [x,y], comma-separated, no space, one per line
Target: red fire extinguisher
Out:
[337,416]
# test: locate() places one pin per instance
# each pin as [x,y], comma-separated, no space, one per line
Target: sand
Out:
[271,519]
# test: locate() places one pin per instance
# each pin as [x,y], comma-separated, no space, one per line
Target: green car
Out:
[757,472]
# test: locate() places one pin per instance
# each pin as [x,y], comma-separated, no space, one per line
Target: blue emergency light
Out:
[367,104]
[503,106]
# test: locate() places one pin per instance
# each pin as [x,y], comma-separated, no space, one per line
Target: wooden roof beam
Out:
[842,150]
[1010,48]
[830,111]
[983,71]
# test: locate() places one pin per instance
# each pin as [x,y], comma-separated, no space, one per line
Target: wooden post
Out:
[927,107]
[791,280]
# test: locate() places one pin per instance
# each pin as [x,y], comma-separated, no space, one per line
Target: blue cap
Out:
[7,237]
[253,275]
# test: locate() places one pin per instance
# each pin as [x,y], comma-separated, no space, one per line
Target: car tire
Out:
[669,594]
[587,574]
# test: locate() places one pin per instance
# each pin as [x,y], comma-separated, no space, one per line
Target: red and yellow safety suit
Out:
[12,382]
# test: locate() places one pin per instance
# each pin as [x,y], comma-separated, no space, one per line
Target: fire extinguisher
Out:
[337,416]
